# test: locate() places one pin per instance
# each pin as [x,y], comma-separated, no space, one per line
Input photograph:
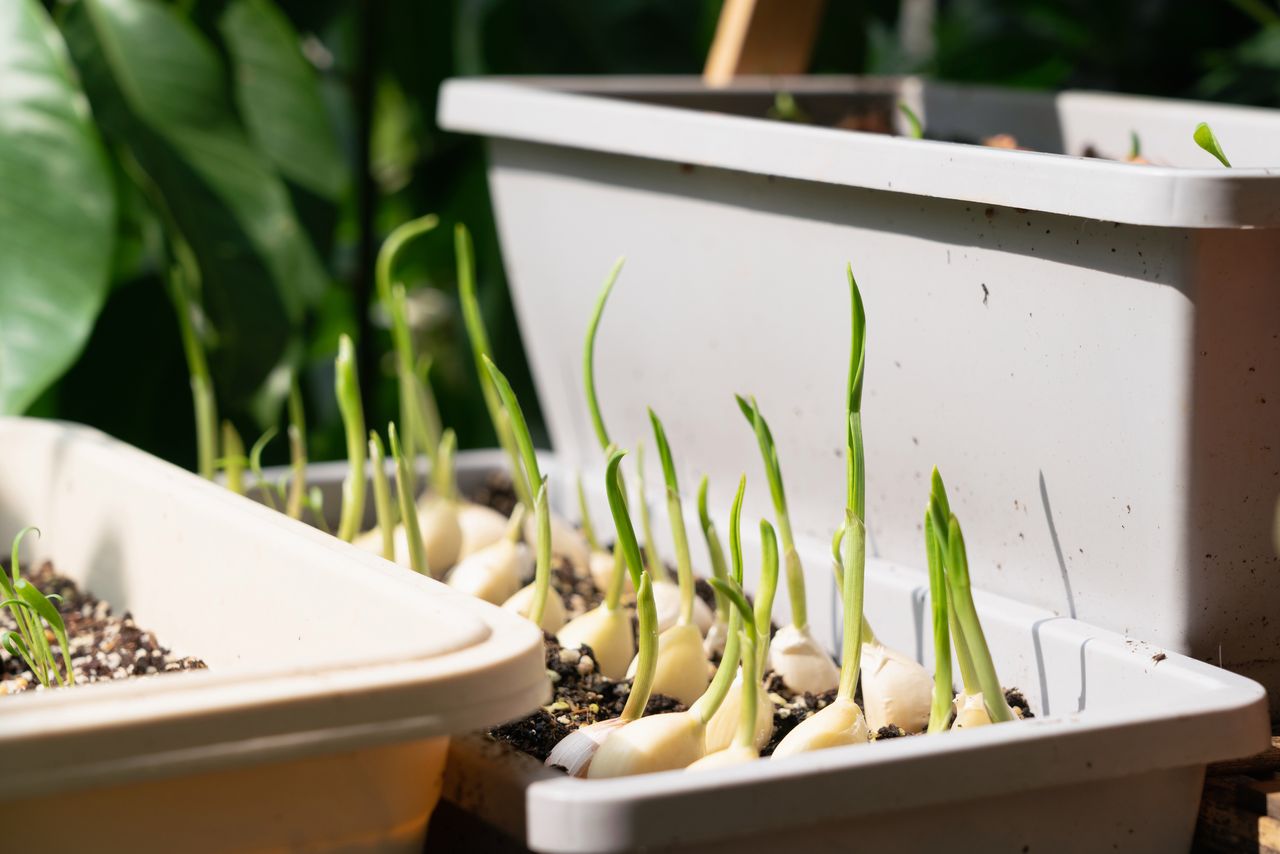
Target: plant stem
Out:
[542,575]
[382,502]
[347,389]
[714,549]
[588,530]
[428,411]
[255,466]
[206,409]
[675,515]
[940,711]
[482,352]
[297,452]
[613,595]
[967,614]
[588,356]
[233,458]
[705,707]
[853,558]
[764,596]
[646,608]
[443,479]
[405,489]
[526,463]
[735,531]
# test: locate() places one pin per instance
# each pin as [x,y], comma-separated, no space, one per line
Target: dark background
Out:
[380,64]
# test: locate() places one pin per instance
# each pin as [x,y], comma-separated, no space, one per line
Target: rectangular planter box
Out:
[334,679]
[1115,757]
[1090,350]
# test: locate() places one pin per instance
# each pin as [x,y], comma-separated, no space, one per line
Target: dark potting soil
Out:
[103,646]
[1018,702]
[496,492]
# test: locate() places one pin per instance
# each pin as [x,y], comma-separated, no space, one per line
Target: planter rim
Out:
[578,112]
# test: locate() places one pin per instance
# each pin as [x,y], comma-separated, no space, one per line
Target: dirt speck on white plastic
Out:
[334,680]
[1116,754]
[1086,348]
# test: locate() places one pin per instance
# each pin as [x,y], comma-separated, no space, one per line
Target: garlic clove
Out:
[896,689]
[802,662]
[736,755]
[493,573]
[717,636]
[666,597]
[441,534]
[600,564]
[663,742]
[575,751]
[553,613]
[723,725]
[683,671]
[481,526]
[838,724]
[608,633]
[971,711]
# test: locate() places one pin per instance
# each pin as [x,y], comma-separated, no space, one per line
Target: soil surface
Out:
[103,646]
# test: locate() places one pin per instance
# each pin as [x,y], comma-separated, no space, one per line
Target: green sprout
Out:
[383,504]
[915,128]
[265,488]
[646,608]
[675,514]
[482,353]
[406,488]
[773,473]
[1135,145]
[748,631]
[347,388]
[940,710]
[714,549]
[297,432]
[1204,137]
[206,408]
[785,109]
[768,587]
[971,643]
[853,552]
[233,459]
[588,530]
[542,572]
[29,607]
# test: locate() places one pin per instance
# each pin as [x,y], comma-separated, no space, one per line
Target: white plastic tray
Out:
[1087,348]
[1116,755]
[334,678]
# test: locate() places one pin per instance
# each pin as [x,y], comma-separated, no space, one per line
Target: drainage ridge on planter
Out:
[334,681]
[1087,349]
[1122,734]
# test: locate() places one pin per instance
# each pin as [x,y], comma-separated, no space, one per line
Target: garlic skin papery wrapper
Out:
[682,665]
[724,723]
[663,742]
[801,662]
[716,637]
[971,711]
[896,689]
[566,541]
[608,632]
[667,596]
[576,750]
[838,724]
[553,612]
[494,573]
[481,526]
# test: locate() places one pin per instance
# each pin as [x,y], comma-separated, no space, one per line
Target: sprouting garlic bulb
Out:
[608,632]
[838,724]
[724,723]
[480,526]
[971,711]
[566,541]
[739,754]
[896,689]
[600,563]
[441,533]
[663,742]
[802,662]
[575,751]
[494,573]
[683,671]
[666,594]
[717,636]
[553,613]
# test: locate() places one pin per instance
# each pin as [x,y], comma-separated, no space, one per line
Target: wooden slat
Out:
[762,37]
[1266,762]
[1261,797]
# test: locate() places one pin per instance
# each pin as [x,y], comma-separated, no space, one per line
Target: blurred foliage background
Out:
[326,110]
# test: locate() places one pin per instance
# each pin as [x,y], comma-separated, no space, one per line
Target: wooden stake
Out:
[762,37]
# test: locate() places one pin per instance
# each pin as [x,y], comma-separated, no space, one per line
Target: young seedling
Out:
[533,601]
[406,486]
[31,611]
[745,746]
[383,503]
[682,662]
[785,109]
[940,708]
[1206,139]
[601,561]
[233,458]
[270,494]
[576,752]
[718,634]
[206,409]
[794,654]
[725,723]
[987,704]
[296,501]
[347,388]
[915,129]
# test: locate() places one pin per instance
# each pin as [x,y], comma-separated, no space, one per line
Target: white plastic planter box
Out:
[334,679]
[1088,349]
[1115,757]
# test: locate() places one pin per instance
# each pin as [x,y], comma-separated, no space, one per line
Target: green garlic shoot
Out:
[406,487]
[653,559]
[1135,146]
[1205,138]
[347,389]
[718,633]
[785,109]
[915,128]
[588,530]
[202,395]
[233,458]
[269,493]
[482,353]
[768,587]
[542,571]
[744,746]
[297,431]
[384,505]
[675,515]
[29,607]
[940,710]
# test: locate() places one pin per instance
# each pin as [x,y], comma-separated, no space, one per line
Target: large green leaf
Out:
[159,89]
[57,208]
[278,93]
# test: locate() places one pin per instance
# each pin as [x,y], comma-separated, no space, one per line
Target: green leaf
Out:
[159,90]
[278,93]
[57,208]
[1205,138]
